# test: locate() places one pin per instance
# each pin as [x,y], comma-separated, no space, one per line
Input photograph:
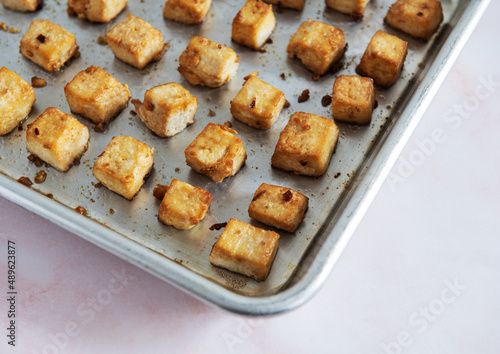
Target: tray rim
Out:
[337,238]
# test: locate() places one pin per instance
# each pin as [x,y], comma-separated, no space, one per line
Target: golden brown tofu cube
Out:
[16,100]
[48,45]
[353,99]
[22,5]
[383,59]
[167,109]
[96,95]
[253,24]
[245,249]
[289,4]
[135,42]
[207,63]
[258,104]
[57,138]
[183,205]
[306,144]
[96,10]
[317,45]
[124,165]
[418,18]
[355,8]
[189,12]
[216,152]
[278,206]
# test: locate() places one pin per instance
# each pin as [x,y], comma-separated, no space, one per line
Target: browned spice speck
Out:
[40,176]
[159,191]
[111,211]
[252,105]
[25,180]
[218,226]
[98,185]
[269,40]
[81,210]
[283,76]
[50,195]
[287,104]
[20,126]
[38,82]
[99,128]
[36,160]
[337,175]
[134,113]
[287,196]
[37,132]
[41,38]
[211,113]
[258,195]
[326,100]
[304,96]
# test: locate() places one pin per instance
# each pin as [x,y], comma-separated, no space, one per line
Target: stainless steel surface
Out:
[363,156]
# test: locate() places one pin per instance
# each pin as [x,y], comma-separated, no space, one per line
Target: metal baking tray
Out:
[338,200]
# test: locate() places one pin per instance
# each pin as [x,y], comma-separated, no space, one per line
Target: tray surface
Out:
[137,219]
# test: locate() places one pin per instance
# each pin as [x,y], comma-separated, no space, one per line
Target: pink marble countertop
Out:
[420,275]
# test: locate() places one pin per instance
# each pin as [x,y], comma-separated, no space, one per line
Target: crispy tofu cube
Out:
[216,152]
[167,109]
[48,45]
[22,5]
[278,206]
[306,145]
[253,24]
[289,4]
[258,104]
[96,10]
[124,165]
[183,205]
[57,138]
[207,63]
[317,45]
[353,99]
[96,95]
[383,59]
[418,18]
[245,249]
[189,12]
[135,42]
[16,100]
[355,8]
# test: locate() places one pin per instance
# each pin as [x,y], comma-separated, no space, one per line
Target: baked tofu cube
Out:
[258,104]
[353,99]
[167,109]
[124,165]
[355,8]
[306,145]
[207,63]
[418,18]
[57,138]
[189,12]
[245,249]
[278,206]
[96,95]
[253,24]
[317,45]
[216,152]
[383,59]
[48,45]
[289,4]
[135,42]
[16,100]
[96,10]
[22,5]
[183,205]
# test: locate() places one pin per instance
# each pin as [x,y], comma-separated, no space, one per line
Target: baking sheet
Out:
[182,256]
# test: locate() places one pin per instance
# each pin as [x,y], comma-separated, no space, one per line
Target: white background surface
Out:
[433,224]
